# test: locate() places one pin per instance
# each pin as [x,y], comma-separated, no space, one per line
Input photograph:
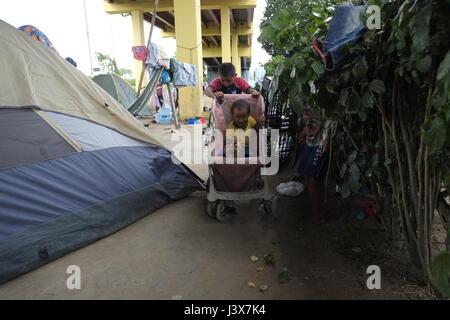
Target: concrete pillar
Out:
[137,21]
[235,59]
[225,33]
[188,34]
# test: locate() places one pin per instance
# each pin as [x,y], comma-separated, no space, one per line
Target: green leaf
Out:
[354,185]
[267,34]
[444,67]
[329,88]
[368,100]
[362,115]
[343,97]
[440,271]
[280,20]
[377,86]
[435,133]
[354,102]
[317,67]
[343,170]
[424,64]
[352,156]
[345,191]
[293,73]
[420,27]
[355,172]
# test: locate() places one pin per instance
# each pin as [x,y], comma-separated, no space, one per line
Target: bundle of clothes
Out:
[38,35]
[179,73]
[346,30]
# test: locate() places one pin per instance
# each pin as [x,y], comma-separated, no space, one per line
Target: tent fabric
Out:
[53,207]
[75,164]
[123,92]
[47,81]
[89,135]
[117,87]
[42,243]
[25,138]
[48,190]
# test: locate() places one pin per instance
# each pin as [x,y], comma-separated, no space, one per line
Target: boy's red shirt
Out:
[238,82]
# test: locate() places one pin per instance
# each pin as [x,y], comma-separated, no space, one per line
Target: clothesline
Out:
[190,49]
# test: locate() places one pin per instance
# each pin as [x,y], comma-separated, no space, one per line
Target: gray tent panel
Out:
[25,138]
[117,87]
[50,208]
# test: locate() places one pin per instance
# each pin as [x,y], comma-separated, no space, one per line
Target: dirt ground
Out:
[178,252]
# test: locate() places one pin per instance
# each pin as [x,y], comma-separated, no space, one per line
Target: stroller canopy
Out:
[75,166]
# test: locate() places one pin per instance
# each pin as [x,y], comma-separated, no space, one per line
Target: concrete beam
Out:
[211,30]
[225,29]
[128,6]
[213,17]
[214,52]
[167,5]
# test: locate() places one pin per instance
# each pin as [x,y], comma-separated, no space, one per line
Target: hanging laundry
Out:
[140,52]
[165,77]
[173,65]
[185,75]
[157,57]
[346,29]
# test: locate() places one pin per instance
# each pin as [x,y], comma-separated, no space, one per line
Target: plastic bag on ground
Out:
[291,188]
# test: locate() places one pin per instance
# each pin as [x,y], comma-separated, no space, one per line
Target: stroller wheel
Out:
[211,208]
[221,212]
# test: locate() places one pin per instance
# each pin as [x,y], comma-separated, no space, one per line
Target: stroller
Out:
[230,182]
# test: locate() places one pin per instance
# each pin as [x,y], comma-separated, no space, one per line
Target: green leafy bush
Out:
[390,105]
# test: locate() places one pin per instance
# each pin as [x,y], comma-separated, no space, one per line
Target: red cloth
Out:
[238,82]
[140,52]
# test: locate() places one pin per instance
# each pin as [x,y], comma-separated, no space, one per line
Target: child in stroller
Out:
[240,179]
[242,119]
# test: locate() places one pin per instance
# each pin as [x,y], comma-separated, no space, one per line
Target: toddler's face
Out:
[227,81]
[240,117]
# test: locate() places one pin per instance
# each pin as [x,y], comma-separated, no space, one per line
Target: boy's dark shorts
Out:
[313,162]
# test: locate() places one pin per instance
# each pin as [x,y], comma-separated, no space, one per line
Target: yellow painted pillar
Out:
[188,32]
[225,33]
[137,21]
[235,53]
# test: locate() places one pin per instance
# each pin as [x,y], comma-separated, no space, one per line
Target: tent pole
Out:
[155,8]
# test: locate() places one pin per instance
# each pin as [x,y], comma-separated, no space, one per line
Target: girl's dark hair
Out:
[227,69]
[240,104]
